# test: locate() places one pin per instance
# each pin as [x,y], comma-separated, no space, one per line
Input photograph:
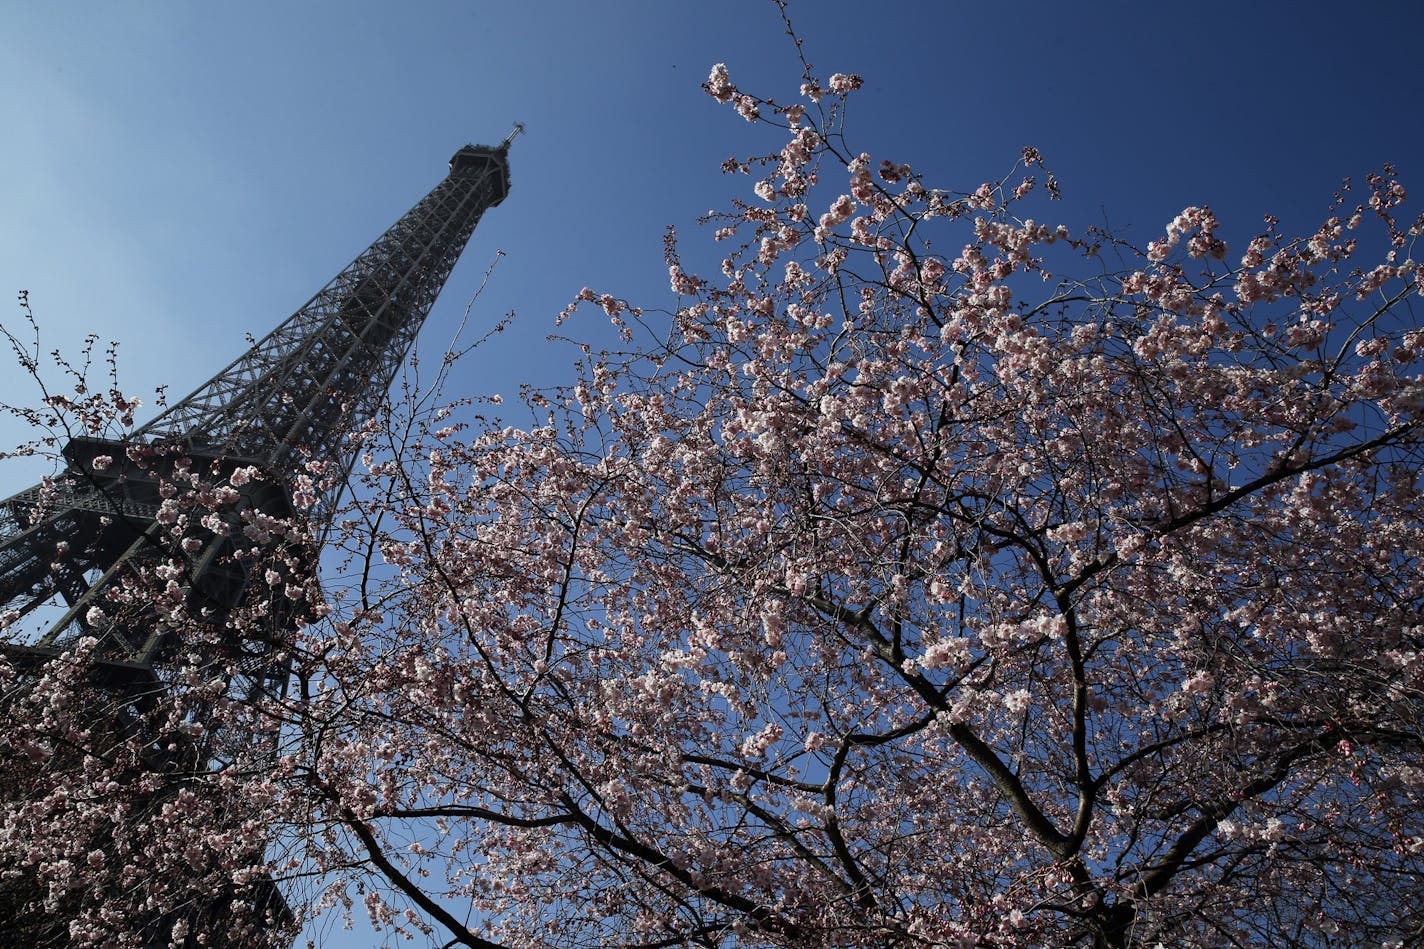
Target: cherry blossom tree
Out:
[930,576]
[137,801]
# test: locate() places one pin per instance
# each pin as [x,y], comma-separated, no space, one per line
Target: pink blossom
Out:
[756,746]
[718,85]
[1198,683]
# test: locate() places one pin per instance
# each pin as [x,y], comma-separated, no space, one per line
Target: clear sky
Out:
[177,175]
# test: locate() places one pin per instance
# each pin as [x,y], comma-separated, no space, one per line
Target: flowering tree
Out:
[922,579]
[137,805]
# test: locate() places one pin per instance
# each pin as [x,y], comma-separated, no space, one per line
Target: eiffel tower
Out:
[274,428]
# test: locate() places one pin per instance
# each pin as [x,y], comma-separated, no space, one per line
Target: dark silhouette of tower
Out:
[284,409]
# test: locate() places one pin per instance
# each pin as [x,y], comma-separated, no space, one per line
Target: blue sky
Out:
[177,175]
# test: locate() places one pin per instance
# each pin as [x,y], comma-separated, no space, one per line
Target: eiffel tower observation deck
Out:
[261,426]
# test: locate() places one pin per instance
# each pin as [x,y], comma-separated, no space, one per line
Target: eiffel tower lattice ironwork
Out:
[284,408]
